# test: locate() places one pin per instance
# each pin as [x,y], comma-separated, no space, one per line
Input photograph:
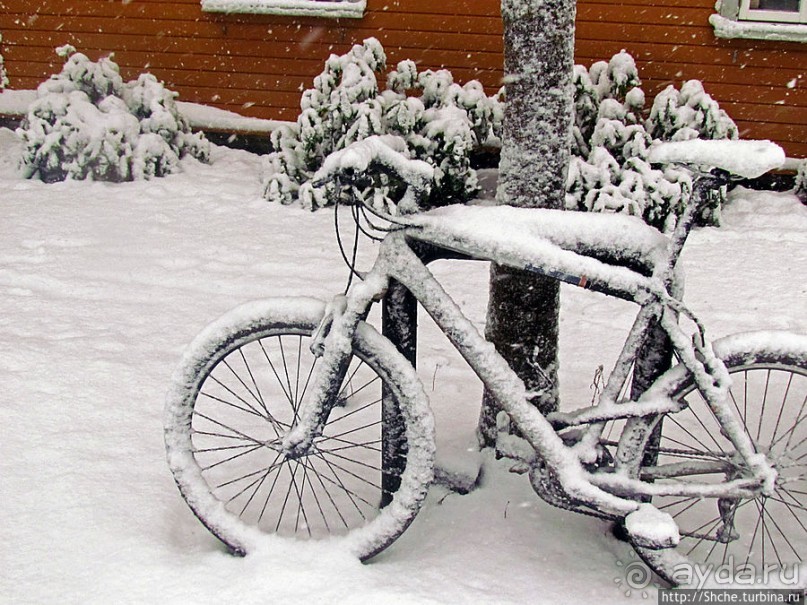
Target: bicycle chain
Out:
[547,486]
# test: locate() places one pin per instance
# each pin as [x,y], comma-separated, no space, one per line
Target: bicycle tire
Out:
[233,396]
[769,395]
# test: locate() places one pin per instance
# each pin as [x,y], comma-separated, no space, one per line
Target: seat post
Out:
[702,186]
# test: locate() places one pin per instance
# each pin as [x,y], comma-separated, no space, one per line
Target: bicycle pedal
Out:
[648,527]
[520,468]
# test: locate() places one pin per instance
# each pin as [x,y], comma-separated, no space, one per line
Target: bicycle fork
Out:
[333,345]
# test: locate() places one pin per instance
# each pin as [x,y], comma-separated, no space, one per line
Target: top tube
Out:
[612,251]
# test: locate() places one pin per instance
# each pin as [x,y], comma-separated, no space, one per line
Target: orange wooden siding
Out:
[258,65]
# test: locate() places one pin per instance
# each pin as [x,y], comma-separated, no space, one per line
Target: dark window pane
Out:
[776,5]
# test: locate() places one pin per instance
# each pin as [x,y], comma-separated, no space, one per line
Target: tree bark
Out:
[522,320]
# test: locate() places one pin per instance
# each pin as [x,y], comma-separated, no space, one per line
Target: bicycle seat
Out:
[563,241]
[748,159]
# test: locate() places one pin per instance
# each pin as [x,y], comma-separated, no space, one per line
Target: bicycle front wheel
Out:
[765,535]
[239,390]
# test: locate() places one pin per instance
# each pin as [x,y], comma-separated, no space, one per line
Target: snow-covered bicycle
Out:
[293,417]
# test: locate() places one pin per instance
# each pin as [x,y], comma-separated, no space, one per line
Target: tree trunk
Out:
[522,319]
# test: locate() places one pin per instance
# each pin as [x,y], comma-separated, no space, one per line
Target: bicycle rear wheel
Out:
[239,390]
[749,535]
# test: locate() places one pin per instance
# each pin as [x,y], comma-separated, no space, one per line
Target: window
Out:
[307,8]
[781,11]
[775,20]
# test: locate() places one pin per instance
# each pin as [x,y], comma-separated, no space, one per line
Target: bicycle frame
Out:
[612,493]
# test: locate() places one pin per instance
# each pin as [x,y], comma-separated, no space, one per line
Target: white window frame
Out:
[335,9]
[734,20]
[749,13]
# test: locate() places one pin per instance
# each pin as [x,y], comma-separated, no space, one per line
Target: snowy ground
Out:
[102,286]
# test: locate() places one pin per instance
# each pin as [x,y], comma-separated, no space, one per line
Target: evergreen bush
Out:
[433,119]
[86,123]
[613,132]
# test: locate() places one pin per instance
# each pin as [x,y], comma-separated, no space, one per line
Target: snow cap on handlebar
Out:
[390,153]
[747,159]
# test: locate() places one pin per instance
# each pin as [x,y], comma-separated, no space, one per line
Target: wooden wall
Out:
[258,65]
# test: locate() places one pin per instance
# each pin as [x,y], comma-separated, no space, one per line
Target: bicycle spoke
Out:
[366,445]
[742,415]
[205,450]
[796,491]
[686,508]
[234,394]
[223,436]
[351,473]
[703,454]
[270,492]
[358,462]
[674,420]
[790,510]
[797,446]
[356,411]
[753,539]
[676,503]
[308,378]
[328,493]
[349,380]
[297,373]
[259,396]
[277,376]
[698,419]
[364,386]
[762,416]
[707,535]
[773,544]
[351,495]
[294,403]
[231,458]
[254,493]
[354,430]
[787,492]
[711,550]
[248,410]
[300,505]
[781,410]
[286,499]
[316,500]
[789,433]
[229,428]
[269,469]
[255,396]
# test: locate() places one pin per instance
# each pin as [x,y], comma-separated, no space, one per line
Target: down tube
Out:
[491,367]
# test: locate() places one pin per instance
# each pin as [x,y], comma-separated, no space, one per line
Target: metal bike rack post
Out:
[399,323]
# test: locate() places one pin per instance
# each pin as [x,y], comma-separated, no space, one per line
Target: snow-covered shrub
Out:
[438,121]
[688,114]
[88,124]
[3,74]
[612,134]
[801,182]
